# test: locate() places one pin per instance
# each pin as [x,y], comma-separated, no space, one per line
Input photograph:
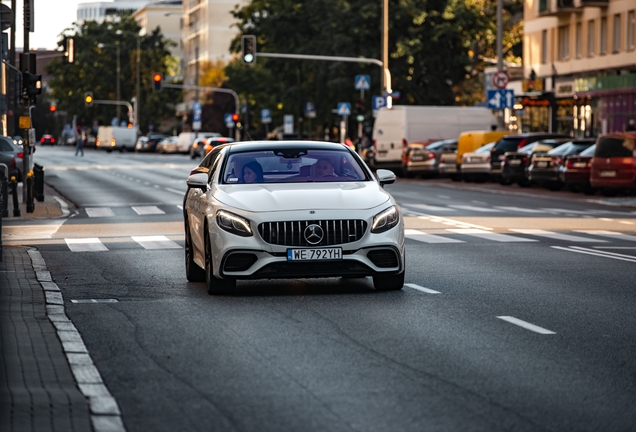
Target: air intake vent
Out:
[383,258]
[239,262]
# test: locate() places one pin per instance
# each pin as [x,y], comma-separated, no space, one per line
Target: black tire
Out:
[215,285]
[389,283]
[555,186]
[524,183]
[588,190]
[504,181]
[456,177]
[194,273]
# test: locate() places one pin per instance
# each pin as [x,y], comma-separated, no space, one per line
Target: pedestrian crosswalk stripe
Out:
[477,209]
[99,212]
[610,234]
[557,236]
[85,245]
[156,242]
[504,238]
[428,238]
[429,207]
[148,210]
[520,210]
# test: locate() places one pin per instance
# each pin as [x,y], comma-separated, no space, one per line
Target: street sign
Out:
[6,17]
[310,110]
[266,116]
[229,123]
[378,102]
[344,108]
[395,94]
[500,99]
[25,122]
[500,79]
[288,124]
[196,116]
[363,82]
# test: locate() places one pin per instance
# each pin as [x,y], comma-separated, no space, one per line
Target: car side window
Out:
[5,146]
[215,166]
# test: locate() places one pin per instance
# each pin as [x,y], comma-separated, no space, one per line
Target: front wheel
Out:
[215,285]
[389,282]
[194,273]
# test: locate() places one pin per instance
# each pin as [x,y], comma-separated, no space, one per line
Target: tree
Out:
[95,70]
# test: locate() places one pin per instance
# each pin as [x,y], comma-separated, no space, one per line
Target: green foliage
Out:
[95,69]
[436,51]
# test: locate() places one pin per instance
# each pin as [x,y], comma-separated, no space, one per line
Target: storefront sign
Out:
[530,102]
[564,89]
[533,85]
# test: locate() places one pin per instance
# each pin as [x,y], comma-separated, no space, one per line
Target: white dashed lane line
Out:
[420,288]
[526,325]
[598,253]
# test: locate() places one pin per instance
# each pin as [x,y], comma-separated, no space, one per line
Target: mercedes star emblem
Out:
[314,234]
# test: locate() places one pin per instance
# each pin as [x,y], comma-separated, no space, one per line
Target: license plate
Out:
[542,164]
[579,164]
[608,173]
[514,162]
[417,158]
[314,254]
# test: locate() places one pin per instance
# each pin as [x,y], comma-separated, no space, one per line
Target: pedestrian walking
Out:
[79,145]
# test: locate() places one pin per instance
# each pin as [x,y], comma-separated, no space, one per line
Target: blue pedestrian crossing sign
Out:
[499,99]
[363,82]
[344,108]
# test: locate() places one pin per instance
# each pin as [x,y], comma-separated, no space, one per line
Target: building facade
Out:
[579,61]
[101,11]
[168,16]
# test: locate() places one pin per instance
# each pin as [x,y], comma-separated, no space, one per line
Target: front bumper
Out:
[482,168]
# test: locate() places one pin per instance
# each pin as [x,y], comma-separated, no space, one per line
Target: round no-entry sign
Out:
[500,79]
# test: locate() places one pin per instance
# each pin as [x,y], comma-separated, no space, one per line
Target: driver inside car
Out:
[324,168]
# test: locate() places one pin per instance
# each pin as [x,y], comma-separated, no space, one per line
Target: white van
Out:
[116,138]
[186,139]
[395,128]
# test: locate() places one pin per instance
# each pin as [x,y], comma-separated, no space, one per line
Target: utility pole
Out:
[500,118]
[385,42]
[26,160]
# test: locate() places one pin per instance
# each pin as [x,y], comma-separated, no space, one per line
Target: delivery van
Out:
[395,128]
[472,140]
[186,139]
[116,138]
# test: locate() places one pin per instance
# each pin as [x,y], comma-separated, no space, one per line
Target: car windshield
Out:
[589,151]
[615,146]
[508,143]
[485,148]
[292,166]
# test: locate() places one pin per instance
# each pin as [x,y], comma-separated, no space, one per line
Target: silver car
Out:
[292,209]
[476,165]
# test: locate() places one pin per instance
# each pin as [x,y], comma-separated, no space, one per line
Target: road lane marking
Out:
[421,288]
[526,325]
[180,207]
[428,238]
[520,209]
[612,234]
[606,219]
[180,192]
[94,301]
[476,209]
[99,212]
[598,253]
[430,207]
[156,242]
[85,245]
[148,210]
[504,238]
[454,222]
[556,236]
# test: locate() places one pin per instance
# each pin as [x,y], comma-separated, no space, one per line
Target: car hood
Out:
[302,196]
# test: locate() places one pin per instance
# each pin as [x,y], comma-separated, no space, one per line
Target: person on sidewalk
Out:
[79,146]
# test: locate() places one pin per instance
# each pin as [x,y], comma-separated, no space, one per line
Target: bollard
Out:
[30,205]
[38,185]
[14,192]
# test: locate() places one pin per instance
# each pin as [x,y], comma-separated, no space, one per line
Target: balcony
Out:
[562,7]
[591,3]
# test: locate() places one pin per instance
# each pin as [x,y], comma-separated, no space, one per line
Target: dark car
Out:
[614,163]
[11,155]
[423,158]
[514,164]
[545,168]
[575,172]
[512,143]
[148,144]
[47,140]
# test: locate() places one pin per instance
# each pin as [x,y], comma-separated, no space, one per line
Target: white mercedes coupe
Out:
[290,209]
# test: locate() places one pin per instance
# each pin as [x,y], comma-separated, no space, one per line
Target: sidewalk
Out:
[47,379]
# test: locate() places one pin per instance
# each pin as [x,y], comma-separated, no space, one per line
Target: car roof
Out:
[243,146]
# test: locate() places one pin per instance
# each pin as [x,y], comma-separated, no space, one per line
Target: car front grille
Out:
[291,233]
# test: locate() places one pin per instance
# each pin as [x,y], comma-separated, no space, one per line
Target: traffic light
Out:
[53,107]
[88,99]
[248,48]
[235,117]
[32,84]
[69,50]
[360,110]
[156,81]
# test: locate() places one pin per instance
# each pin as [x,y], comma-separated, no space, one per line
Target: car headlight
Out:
[233,223]
[385,220]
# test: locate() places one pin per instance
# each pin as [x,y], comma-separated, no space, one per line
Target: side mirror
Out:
[198,181]
[385,177]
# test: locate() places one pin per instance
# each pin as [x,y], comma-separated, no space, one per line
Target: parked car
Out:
[472,140]
[475,165]
[17,140]
[186,139]
[575,172]
[197,145]
[119,138]
[168,145]
[11,155]
[47,139]
[614,163]
[545,168]
[512,143]
[212,142]
[448,166]
[515,163]
[423,158]
[149,143]
[235,229]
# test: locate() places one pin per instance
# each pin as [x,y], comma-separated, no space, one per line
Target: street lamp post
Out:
[103,45]
[138,90]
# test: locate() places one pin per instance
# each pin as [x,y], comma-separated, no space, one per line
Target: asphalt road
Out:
[519,313]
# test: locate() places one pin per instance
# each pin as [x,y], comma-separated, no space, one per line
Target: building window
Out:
[631,30]
[544,47]
[603,49]
[591,38]
[564,43]
[579,40]
[616,40]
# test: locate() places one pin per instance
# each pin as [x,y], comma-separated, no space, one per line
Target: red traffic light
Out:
[156,77]
[156,81]
[235,117]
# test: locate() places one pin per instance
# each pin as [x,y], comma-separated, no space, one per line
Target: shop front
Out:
[605,104]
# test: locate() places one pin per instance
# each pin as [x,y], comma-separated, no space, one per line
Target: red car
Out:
[47,140]
[575,172]
[614,163]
